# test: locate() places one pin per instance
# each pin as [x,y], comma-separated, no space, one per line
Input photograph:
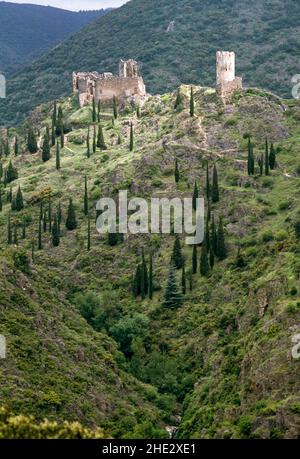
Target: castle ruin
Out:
[227,82]
[128,86]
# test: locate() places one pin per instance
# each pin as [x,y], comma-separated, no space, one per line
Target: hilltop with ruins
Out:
[129,85]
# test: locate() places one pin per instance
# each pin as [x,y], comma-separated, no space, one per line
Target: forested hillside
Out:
[27,31]
[135,334]
[264,35]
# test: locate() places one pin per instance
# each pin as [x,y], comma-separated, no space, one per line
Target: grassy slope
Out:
[233,366]
[265,36]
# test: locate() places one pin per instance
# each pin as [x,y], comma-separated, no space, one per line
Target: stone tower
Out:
[225,67]
[128,69]
[227,82]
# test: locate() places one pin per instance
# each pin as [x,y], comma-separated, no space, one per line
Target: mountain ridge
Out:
[184,54]
[30,30]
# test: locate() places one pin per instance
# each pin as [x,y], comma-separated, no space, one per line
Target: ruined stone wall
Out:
[122,88]
[128,86]
[225,89]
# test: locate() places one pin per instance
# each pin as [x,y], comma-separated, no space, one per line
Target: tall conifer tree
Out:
[192,102]
[215,195]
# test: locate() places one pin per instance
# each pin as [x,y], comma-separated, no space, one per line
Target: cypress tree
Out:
[94,140]
[191,280]
[267,161]
[112,239]
[19,200]
[144,277]
[249,157]
[10,195]
[192,102]
[173,298]
[55,233]
[71,222]
[31,142]
[32,251]
[194,260]
[261,165]
[99,111]
[208,210]
[6,148]
[41,210]
[57,162]
[137,282]
[221,247]
[50,214]
[13,203]
[115,108]
[195,196]
[60,114]
[54,114]
[11,173]
[46,147]
[15,238]
[40,245]
[183,280]
[214,237]
[45,222]
[215,196]
[59,215]
[207,236]
[272,158]
[151,277]
[204,266]
[252,161]
[100,139]
[16,146]
[211,258]
[94,115]
[178,101]
[9,231]
[207,182]
[88,147]
[177,258]
[177,173]
[53,136]
[86,198]
[131,143]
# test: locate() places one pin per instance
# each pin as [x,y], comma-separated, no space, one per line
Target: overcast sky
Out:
[75,5]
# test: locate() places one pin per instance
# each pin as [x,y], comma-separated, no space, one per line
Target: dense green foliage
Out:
[213,349]
[27,31]
[264,35]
